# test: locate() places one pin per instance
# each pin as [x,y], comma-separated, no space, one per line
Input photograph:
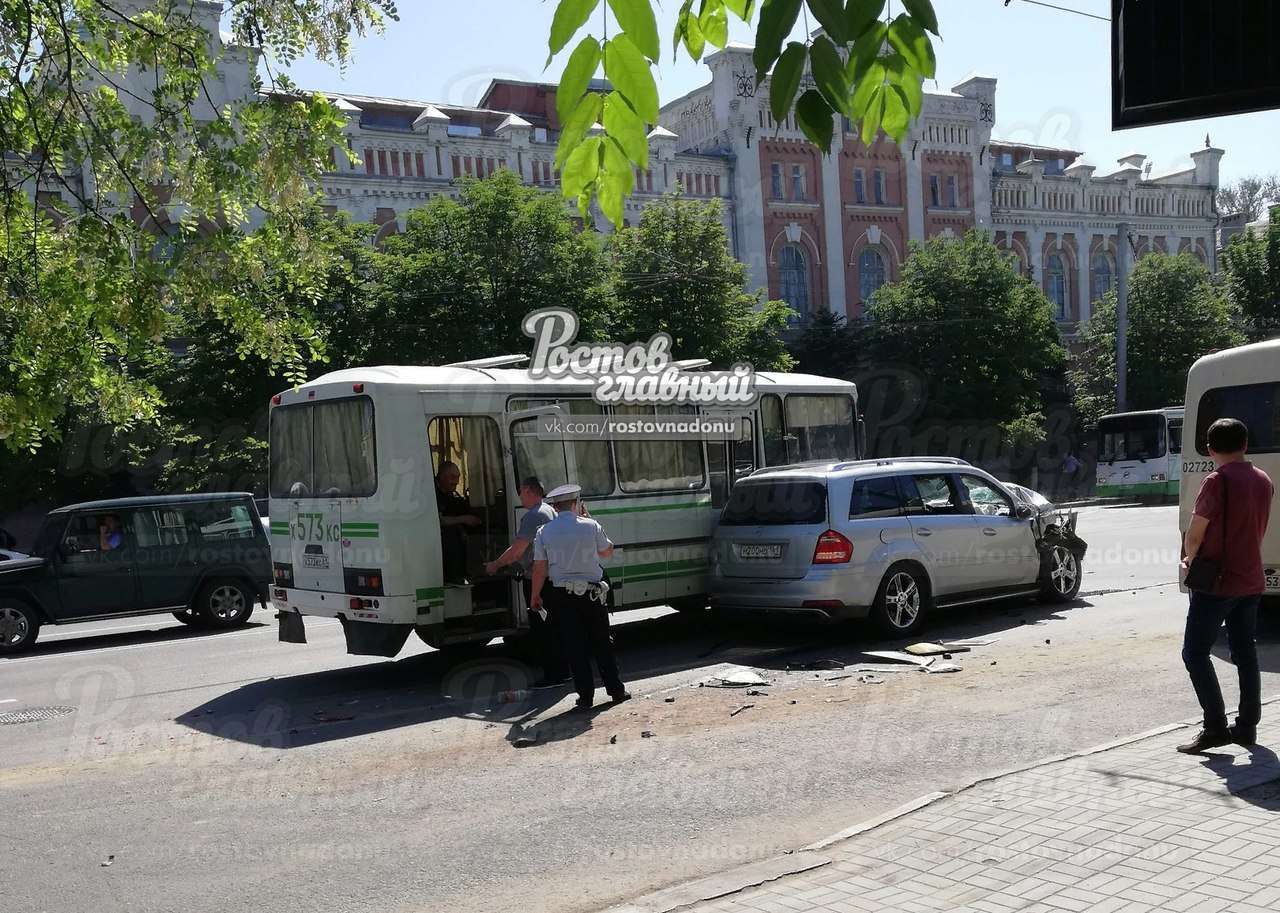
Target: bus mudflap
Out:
[368,638]
[292,629]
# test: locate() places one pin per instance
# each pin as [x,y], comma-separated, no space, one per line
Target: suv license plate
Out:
[759,551]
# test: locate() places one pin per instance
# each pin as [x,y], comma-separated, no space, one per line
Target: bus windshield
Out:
[1131,437]
[324,449]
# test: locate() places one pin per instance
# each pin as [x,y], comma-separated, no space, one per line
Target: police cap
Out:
[564,493]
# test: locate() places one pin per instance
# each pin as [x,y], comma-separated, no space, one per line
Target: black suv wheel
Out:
[19,625]
[225,602]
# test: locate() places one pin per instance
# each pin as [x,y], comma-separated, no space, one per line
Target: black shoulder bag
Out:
[1204,574]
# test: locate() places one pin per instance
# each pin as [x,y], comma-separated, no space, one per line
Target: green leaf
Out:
[694,41]
[572,131]
[907,80]
[830,15]
[741,8]
[714,23]
[909,40]
[828,73]
[582,167]
[636,19]
[577,76]
[785,81]
[922,12]
[630,74]
[777,19]
[859,15]
[865,51]
[570,16]
[615,181]
[872,81]
[873,115]
[626,129]
[619,166]
[897,113]
[814,116]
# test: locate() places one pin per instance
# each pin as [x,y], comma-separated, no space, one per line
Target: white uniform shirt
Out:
[571,546]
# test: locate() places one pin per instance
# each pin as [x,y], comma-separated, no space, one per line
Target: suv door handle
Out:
[924,531]
[988,531]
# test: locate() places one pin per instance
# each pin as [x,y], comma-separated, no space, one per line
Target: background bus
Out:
[355,527]
[1241,383]
[1140,454]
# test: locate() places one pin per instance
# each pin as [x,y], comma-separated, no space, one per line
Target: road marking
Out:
[75,654]
[93,632]
[10,700]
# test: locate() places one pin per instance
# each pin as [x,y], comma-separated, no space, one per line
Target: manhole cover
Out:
[33,715]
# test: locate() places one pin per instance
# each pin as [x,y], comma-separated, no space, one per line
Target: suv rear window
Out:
[776,503]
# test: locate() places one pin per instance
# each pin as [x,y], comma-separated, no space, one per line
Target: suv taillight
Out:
[832,548]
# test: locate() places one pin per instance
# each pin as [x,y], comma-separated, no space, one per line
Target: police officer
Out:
[567,574]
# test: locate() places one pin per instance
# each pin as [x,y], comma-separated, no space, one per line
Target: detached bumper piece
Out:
[292,630]
[371,638]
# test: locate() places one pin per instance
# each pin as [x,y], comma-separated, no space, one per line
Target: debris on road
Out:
[815,664]
[897,656]
[932,649]
[646,734]
[941,667]
[613,740]
[756,692]
[870,678]
[668,700]
[734,677]
[742,708]
[971,642]
[108,861]
[323,716]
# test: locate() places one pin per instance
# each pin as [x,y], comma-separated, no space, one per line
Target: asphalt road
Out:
[229,772]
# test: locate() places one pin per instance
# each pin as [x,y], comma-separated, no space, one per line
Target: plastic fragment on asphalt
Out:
[815,664]
[742,708]
[897,656]
[646,734]
[669,700]
[525,738]
[970,642]
[868,678]
[756,692]
[106,862]
[941,667]
[735,677]
[932,649]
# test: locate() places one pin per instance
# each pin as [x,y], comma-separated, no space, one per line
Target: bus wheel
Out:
[689,603]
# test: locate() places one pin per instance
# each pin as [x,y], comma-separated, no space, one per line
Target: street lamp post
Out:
[1122,317]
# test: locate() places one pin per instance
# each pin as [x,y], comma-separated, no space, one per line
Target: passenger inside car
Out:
[110,536]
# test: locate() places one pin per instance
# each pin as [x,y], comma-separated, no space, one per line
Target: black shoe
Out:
[1205,740]
[619,698]
[581,705]
[1246,736]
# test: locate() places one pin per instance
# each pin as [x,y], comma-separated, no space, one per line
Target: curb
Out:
[754,874]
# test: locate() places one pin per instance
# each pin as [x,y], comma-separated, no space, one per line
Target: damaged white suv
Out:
[888,539]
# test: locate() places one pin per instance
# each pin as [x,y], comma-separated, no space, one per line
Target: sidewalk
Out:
[1128,828]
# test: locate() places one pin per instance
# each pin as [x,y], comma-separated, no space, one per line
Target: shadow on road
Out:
[493,684]
[1268,639]
[91,641]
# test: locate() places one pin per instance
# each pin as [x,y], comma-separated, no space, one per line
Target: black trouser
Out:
[584,631]
[546,638]
[453,553]
[1205,618]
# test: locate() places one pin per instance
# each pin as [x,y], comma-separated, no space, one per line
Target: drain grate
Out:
[33,715]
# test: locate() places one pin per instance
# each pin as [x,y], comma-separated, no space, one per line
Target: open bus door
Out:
[550,461]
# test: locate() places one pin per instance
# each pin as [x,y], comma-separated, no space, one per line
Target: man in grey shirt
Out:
[567,573]
[544,632]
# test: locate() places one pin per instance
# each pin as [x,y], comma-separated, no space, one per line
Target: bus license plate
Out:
[1272,581]
[759,551]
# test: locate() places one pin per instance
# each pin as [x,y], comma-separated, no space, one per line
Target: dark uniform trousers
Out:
[584,631]
[546,638]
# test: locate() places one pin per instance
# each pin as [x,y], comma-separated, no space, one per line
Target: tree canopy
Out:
[674,273]
[130,180]
[981,338]
[1251,271]
[1248,195]
[863,67]
[1176,315]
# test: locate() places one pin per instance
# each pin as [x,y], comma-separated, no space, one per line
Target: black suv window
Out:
[932,494]
[878,497]
[156,527]
[95,533]
[223,520]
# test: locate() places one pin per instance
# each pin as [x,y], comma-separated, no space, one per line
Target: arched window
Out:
[793,278]
[871,273]
[1055,281]
[1102,276]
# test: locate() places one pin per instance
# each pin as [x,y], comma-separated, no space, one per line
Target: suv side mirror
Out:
[1024,512]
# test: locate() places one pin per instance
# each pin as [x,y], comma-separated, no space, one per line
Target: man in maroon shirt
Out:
[1230,519]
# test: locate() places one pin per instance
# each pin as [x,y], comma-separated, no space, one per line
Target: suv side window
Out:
[933,494]
[157,527]
[224,520]
[96,533]
[877,497]
[986,500]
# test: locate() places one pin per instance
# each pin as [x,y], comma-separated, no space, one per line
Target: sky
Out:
[1053,71]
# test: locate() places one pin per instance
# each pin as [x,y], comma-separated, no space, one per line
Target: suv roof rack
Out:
[889,461]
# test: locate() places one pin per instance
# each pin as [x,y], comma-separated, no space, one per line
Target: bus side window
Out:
[1175,436]
[771,427]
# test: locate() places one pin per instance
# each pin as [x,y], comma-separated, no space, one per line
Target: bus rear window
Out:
[776,503]
[1131,437]
[324,450]
[1257,405]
